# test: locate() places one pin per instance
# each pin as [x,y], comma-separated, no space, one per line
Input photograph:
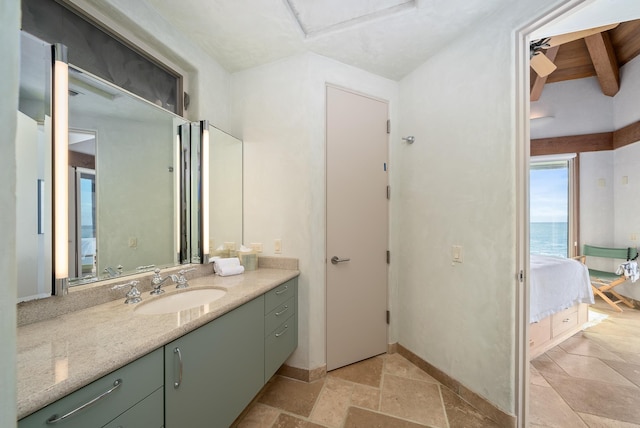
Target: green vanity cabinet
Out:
[213,372]
[281,326]
[130,386]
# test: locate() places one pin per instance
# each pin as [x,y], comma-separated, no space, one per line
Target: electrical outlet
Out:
[256,246]
[634,237]
[277,246]
[133,242]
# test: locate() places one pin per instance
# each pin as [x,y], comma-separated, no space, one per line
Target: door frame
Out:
[522,128]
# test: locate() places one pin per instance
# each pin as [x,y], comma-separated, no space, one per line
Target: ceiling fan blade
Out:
[570,37]
[542,65]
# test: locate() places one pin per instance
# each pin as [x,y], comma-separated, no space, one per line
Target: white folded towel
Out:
[231,270]
[229,266]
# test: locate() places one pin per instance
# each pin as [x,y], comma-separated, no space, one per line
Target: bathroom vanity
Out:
[196,367]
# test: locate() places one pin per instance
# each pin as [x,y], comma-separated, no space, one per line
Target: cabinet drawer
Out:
[279,345]
[137,380]
[279,295]
[539,332]
[565,320]
[149,413]
[274,318]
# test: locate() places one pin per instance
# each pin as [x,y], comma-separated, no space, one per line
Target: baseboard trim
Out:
[482,404]
[303,374]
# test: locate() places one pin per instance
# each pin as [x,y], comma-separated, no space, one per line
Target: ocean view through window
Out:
[549,208]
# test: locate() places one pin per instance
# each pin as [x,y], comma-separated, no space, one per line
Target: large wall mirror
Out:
[126,160]
[123,179]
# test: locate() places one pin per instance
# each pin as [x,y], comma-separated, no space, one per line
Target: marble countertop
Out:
[62,354]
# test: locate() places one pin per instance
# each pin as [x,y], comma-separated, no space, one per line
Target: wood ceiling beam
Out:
[605,62]
[627,135]
[572,144]
[539,83]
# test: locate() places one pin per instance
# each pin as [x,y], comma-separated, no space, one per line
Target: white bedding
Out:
[556,284]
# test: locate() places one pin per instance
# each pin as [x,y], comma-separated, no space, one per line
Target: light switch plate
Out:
[456,253]
[277,246]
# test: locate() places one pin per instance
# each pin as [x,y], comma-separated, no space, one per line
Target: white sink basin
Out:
[180,301]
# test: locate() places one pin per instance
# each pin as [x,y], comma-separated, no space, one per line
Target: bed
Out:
[559,301]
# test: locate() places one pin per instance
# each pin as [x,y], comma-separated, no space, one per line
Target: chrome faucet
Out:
[158,280]
[133,295]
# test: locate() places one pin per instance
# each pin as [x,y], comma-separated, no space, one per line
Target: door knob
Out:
[335,260]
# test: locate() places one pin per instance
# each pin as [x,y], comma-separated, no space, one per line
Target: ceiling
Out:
[389,38]
[574,60]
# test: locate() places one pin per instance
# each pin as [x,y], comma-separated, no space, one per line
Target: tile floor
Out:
[590,380]
[593,378]
[384,391]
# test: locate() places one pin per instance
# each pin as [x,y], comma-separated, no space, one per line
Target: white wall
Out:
[596,198]
[9,52]
[457,185]
[572,107]
[280,112]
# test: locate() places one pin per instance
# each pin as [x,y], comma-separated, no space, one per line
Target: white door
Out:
[357,227]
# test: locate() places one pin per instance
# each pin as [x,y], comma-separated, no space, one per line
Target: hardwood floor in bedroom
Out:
[593,378]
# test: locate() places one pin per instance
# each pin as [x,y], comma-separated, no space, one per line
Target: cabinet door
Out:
[101,401]
[222,367]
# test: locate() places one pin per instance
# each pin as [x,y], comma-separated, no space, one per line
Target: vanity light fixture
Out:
[60,101]
[204,152]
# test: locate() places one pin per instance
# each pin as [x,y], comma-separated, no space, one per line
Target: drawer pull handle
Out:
[55,419]
[286,326]
[566,320]
[286,287]
[286,308]
[176,385]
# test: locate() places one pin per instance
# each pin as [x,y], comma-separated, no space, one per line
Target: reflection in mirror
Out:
[124,175]
[225,190]
[33,160]
[123,179]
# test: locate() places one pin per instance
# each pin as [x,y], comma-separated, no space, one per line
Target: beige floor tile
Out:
[362,418]
[615,343]
[629,371]
[586,347]
[599,398]
[462,414]
[289,421]
[535,378]
[594,421]
[544,364]
[367,372]
[291,395]
[583,367]
[413,400]
[365,396]
[548,409]
[259,416]
[333,402]
[398,365]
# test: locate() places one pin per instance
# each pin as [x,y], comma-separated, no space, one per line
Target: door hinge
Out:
[521,276]
[388,317]
[388,126]
[388,256]
[388,192]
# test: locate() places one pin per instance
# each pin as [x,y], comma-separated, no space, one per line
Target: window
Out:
[551,229]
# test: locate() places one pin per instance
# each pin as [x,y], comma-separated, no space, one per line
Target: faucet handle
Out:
[181,279]
[133,295]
